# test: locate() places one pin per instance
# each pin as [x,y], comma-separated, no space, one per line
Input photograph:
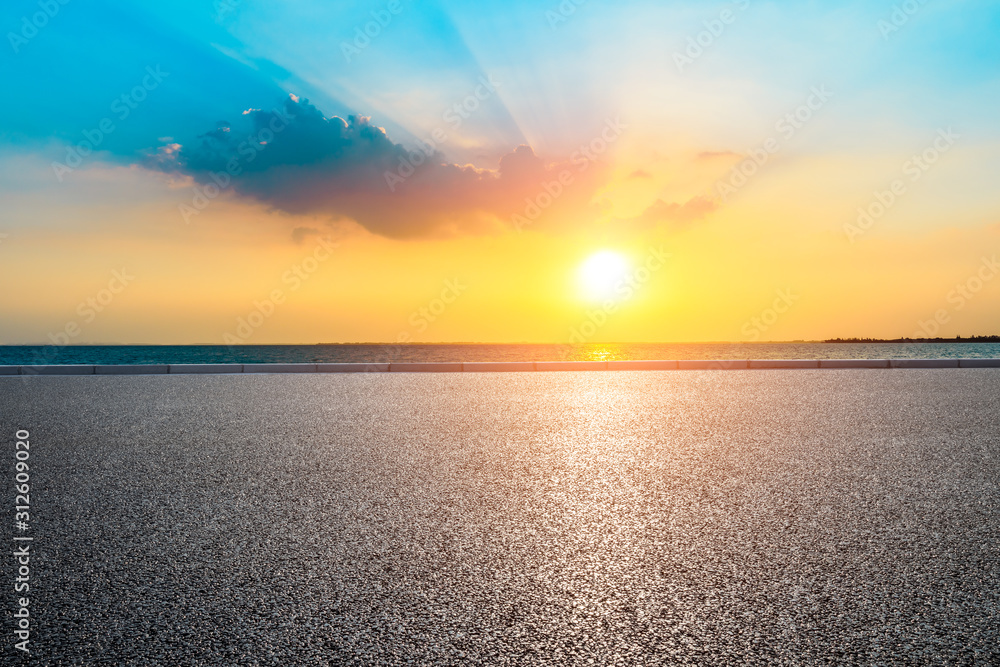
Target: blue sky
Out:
[223,58]
[557,75]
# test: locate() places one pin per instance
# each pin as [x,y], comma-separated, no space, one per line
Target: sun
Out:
[602,275]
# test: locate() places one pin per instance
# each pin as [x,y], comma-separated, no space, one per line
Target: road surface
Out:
[578,518]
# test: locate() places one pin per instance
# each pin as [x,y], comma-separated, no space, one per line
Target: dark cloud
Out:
[296,160]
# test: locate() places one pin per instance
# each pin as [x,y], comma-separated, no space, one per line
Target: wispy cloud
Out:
[661,212]
[714,155]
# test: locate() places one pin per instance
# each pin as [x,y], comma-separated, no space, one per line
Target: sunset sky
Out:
[301,172]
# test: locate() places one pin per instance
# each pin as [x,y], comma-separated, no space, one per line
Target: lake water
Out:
[177,354]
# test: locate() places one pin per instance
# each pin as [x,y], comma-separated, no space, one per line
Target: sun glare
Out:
[602,274]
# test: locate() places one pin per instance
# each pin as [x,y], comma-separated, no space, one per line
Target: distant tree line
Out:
[956,339]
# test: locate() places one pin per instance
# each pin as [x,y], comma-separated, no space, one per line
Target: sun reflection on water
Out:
[600,352]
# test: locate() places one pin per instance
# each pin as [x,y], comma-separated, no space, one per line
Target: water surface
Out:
[374,353]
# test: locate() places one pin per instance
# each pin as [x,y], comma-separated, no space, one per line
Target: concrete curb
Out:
[923,363]
[132,369]
[784,363]
[73,369]
[712,364]
[352,368]
[279,368]
[571,365]
[418,367]
[979,363]
[642,365]
[206,368]
[854,363]
[495,366]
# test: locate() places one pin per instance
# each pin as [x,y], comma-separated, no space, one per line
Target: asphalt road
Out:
[591,518]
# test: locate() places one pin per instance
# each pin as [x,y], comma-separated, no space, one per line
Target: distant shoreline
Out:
[972,339]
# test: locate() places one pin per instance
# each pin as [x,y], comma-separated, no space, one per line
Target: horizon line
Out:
[829,341]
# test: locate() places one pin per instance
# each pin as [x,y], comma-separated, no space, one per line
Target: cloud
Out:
[711,155]
[300,234]
[296,160]
[660,212]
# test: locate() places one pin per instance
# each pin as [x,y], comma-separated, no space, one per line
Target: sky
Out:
[249,172]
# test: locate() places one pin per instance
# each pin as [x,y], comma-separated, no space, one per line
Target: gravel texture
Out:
[578,518]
